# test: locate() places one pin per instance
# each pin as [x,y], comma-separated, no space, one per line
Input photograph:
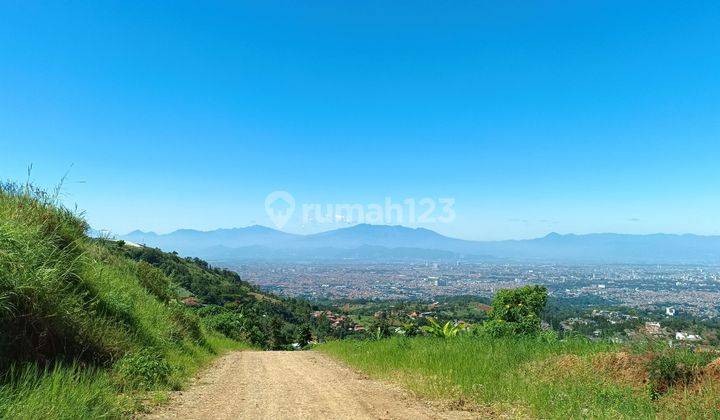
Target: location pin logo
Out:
[279,206]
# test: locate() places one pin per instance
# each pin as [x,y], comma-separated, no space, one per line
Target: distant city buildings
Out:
[694,291]
[683,336]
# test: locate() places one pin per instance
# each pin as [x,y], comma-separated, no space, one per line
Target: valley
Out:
[692,290]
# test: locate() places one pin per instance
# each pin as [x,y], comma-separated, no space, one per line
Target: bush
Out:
[516,312]
[228,323]
[143,370]
[303,335]
[673,368]
[408,329]
[443,331]
[496,328]
[186,324]
[154,281]
[210,310]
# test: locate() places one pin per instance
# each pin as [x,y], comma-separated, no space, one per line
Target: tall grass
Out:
[509,375]
[79,327]
[60,392]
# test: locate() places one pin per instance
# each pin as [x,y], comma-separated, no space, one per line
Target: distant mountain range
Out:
[380,242]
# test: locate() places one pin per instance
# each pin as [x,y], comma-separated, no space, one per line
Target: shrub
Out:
[303,335]
[516,311]
[154,281]
[673,368]
[143,370]
[210,310]
[443,331]
[185,324]
[496,328]
[228,323]
[379,329]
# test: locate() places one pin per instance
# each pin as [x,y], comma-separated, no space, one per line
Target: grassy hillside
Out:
[87,332]
[231,305]
[543,378]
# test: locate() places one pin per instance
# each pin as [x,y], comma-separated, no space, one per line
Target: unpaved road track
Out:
[293,385]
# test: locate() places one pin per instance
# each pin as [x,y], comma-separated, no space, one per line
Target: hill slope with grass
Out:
[87,331]
[228,304]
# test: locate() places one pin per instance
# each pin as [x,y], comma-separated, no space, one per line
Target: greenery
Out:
[94,328]
[443,331]
[228,304]
[59,391]
[674,367]
[531,377]
[144,370]
[87,332]
[154,281]
[516,311]
[510,366]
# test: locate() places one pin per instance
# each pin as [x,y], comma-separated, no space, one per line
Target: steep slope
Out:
[264,319]
[81,324]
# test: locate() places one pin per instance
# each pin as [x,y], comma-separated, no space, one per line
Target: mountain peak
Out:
[259,228]
[137,232]
[557,247]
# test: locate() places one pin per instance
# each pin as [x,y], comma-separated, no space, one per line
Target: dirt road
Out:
[293,385]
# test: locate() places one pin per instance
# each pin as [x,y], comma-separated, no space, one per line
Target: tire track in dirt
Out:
[294,385]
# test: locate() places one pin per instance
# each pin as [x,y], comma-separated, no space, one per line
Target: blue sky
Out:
[534,116]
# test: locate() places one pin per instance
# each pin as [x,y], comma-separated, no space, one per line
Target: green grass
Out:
[61,392]
[83,335]
[522,377]
[73,391]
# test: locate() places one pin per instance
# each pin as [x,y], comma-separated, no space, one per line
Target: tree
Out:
[304,335]
[380,328]
[516,311]
[276,339]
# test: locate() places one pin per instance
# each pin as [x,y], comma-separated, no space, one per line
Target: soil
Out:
[295,385]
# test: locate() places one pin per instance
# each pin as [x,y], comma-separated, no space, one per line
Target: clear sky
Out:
[583,116]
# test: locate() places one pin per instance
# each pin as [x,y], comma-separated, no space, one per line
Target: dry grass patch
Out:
[623,368]
[699,400]
[711,371]
[558,367]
